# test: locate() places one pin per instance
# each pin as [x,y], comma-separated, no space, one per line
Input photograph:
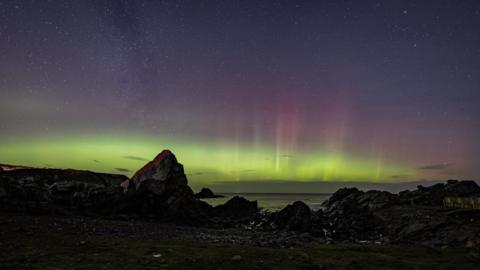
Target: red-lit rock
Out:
[162,192]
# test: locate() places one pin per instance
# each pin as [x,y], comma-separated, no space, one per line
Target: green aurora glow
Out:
[205,162]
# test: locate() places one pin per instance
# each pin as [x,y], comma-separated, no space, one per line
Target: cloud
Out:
[435,167]
[202,173]
[400,176]
[135,158]
[122,170]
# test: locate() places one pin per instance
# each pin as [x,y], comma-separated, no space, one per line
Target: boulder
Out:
[164,170]
[374,200]
[162,192]
[295,217]
[340,197]
[206,193]
[351,213]
[236,208]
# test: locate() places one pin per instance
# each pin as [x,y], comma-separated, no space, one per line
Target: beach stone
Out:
[236,258]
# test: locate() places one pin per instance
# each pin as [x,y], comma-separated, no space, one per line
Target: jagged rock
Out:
[381,216]
[373,200]
[295,217]
[355,199]
[340,197]
[158,190]
[55,190]
[165,170]
[351,213]
[237,207]
[162,192]
[463,188]
[206,193]
[435,194]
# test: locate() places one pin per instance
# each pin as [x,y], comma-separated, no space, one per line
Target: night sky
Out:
[367,91]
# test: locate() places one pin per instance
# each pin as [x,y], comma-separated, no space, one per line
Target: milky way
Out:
[385,91]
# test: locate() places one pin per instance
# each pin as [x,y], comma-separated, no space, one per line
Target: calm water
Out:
[274,201]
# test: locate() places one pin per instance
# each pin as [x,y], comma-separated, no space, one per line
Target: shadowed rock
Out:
[158,190]
[435,194]
[162,192]
[412,217]
[206,193]
[295,217]
[237,208]
[60,191]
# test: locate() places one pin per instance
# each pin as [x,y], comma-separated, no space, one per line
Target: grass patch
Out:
[67,251]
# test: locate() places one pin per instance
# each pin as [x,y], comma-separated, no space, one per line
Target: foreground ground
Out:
[28,242]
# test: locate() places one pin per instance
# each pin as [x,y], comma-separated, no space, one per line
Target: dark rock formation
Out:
[206,193]
[236,208]
[294,217]
[162,192]
[158,190]
[60,191]
[350,213]
[413,217]
[435,194]
[164,169]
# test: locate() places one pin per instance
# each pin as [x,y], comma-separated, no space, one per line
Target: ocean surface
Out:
[273,201]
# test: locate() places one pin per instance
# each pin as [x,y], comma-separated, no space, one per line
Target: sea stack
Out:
[207,193]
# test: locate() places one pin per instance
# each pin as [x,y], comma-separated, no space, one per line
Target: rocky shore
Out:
[157,203]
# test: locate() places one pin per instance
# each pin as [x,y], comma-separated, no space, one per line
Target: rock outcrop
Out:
[206,193]
[435,194]
[412,217]
[159,190]
[162,192]
[60,191]
[294,217]
[237,208]
[351,213]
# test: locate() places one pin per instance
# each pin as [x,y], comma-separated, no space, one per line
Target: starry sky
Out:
[244,91]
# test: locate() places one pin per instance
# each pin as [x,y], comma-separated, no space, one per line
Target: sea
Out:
[274,201]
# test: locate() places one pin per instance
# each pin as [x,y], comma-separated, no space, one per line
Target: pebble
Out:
[236,258]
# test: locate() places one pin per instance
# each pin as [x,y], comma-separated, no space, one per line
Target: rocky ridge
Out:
[159,192]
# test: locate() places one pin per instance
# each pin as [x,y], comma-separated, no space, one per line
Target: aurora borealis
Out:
[367,91]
